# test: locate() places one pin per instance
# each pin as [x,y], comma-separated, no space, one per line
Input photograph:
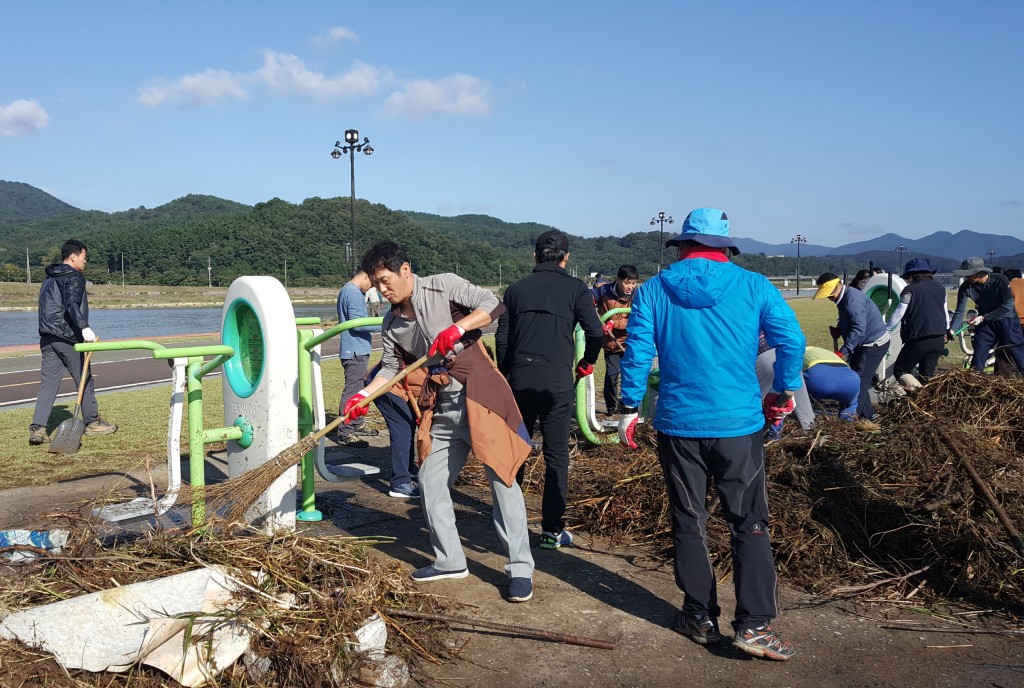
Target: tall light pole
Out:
[991,258]
[660,219]
[901,248]
[352,146]
[798,239]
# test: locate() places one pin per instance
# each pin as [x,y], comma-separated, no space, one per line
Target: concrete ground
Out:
[607,591]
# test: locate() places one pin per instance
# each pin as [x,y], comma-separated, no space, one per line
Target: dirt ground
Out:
[609,592]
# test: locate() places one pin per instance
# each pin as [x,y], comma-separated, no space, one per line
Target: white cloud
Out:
[335,34]
[204,88]
[286,74]
[458,94]
[22,117]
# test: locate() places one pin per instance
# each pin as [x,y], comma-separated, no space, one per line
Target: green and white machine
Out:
[261,384]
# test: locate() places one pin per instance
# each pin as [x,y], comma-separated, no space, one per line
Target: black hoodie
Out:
[63,305]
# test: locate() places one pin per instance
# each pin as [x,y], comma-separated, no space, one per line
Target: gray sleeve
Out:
[390,365]
[467,294]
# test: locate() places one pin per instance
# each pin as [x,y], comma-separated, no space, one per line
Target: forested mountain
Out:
[20,202]
[174,243]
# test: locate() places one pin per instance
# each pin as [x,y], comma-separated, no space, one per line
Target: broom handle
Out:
[568,638]
[378,393]
[82,379]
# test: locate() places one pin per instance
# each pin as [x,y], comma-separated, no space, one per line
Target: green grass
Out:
[142,418]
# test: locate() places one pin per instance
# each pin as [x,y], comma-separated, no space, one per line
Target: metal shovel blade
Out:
[67,438]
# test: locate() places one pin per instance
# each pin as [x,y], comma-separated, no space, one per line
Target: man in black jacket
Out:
[63,322]
[535,348]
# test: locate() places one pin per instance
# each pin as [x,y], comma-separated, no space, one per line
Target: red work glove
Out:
[841,355]
[583,369]
[977,320]
[352,408]
[608,326]
[445,342]
[627,426]
[778,406]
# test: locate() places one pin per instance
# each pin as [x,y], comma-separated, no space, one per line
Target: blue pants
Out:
[834,383]
[402,431]
[865,361]
[1002,332]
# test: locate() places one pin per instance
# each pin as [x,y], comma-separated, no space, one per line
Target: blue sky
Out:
[837,120]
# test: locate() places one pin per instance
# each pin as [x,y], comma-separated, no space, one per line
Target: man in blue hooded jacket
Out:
[701,316]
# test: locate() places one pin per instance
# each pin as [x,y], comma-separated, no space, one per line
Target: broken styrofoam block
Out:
[107,630]
[372,637]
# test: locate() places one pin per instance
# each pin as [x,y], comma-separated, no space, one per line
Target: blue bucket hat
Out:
[917,265]
[706,226]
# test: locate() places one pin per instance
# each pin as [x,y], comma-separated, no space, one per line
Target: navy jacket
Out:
[63,305]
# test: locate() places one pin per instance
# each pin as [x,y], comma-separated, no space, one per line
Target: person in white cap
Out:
[701,316]
[996,323]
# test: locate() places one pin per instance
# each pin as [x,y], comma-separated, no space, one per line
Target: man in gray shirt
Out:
[468,405]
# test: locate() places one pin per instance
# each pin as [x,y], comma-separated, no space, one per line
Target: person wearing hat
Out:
[865,337]
[613,296]
[535,349]
[996,323]
[701,317]
[923,320]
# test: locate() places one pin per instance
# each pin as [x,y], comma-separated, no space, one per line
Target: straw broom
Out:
[236,495]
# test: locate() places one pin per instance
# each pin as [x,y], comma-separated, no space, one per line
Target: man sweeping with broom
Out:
[466,404]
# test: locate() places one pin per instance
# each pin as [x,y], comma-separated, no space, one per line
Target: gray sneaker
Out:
[37,435]
[100,427]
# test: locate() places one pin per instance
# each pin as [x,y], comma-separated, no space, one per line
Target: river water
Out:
[22,327]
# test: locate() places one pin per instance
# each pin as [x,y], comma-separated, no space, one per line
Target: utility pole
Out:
[798,239]
[28,269]
[122,268]
[209,272]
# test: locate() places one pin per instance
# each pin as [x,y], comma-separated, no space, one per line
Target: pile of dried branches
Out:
[895,514]
[334,584]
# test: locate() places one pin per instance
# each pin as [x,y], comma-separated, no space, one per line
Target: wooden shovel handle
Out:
[83,378]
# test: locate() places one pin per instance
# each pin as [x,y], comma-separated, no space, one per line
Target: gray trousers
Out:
[58,356]
[355,371]
[449,435]
[804,412]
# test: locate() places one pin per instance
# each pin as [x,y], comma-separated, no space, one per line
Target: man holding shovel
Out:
[63,322]
[465,404]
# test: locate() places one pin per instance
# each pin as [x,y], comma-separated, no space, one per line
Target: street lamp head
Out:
[351,135]
[368,150]
[661,215]
[336,153]
[671,221]
[654,222]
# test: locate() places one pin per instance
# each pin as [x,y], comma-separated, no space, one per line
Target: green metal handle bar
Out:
[581,388]
[199,437]
[338,329]
[312,320]
[159,350]
[307,342]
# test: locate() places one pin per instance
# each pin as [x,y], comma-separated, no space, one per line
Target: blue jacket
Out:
[860,321]
[352,305]
[702,319]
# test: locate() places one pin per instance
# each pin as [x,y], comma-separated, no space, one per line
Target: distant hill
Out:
[173,243]
[20,202]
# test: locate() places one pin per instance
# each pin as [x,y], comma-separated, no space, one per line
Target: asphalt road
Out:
[113,370]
